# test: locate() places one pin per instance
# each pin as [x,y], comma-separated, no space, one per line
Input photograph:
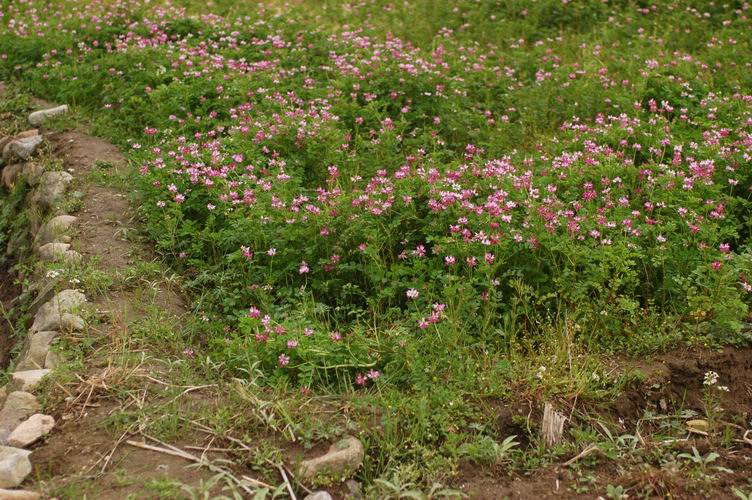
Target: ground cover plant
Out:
[424,207]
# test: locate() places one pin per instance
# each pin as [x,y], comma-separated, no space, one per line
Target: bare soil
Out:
[80,445]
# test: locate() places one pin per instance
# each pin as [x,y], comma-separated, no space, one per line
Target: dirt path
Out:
[83,458]
[82,447]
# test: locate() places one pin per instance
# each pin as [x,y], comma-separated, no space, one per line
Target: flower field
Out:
[421,206]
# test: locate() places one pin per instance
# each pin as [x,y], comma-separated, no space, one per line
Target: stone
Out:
[43,289]
[10,174]
[4,141]
[58,312]
[39,117]
[34,355]
[32,172]
[22,148]
[341,461]
[51,188]
[52,360]
[14,466]
[318,495]
[19,495]
[354,490]
[54,230]
[59,252]
[18,407]
[31,430]
[27,380]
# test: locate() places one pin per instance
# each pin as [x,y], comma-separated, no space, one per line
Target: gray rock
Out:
[52,360]
[18,407]
[11,173]
[58,252]
[34,355]
[318,495]
[31,430]
[19,495]
[354,490]
[341,461]
[59,312]
[32,172]
[51,188]
[43,290]
[41,116]
[22,148]
[4,141]
[27,380]
[55,230]
[14,466]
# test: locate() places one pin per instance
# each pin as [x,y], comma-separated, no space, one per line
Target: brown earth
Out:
[82,447]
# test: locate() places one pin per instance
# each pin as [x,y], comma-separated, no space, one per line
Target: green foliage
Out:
[416,204]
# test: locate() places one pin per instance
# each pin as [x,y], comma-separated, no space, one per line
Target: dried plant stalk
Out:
[552,427]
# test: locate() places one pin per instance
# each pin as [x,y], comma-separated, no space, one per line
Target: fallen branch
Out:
[587,451]
[280,467]
[166,451]
[287,482]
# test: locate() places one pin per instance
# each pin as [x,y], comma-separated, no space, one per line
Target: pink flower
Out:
[716,265]
[254,312]
[335,336]
[361,379]
[283,360]
[373,374]
[413,293]
[307,331]
[450,260]
[292,344]
[303,268]
[271,252]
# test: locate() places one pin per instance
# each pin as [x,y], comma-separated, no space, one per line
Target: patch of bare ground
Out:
[83,454]
[671,386]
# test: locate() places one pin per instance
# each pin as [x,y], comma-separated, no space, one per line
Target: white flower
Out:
[711,378]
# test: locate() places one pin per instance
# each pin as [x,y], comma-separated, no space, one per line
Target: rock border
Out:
[55,314]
